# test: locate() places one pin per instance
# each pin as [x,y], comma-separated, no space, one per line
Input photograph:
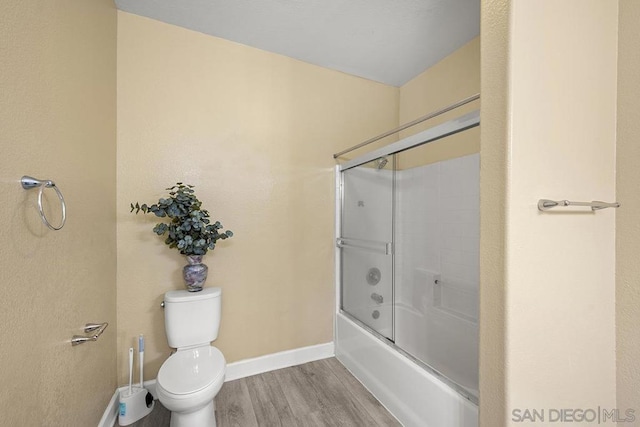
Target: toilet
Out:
[189,379]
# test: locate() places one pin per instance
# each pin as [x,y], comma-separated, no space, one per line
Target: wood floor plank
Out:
[373,407]
[269,402]
[340,405]
[322,419]
[234,407]
[313,419]
[300,395]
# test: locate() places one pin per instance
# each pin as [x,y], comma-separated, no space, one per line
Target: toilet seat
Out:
[189,371]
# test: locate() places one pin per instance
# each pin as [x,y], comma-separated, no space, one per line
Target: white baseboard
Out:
[284,359]
[110,415]
[237,370]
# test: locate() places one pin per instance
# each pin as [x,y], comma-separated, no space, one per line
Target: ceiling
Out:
[389,41]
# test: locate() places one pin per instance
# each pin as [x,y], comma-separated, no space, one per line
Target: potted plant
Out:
[189,230]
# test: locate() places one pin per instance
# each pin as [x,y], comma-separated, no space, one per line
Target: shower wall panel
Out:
[437,268]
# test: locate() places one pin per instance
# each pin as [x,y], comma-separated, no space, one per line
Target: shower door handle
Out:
[385,248]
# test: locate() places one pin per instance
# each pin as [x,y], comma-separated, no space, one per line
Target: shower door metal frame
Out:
[338,249]
[451,127]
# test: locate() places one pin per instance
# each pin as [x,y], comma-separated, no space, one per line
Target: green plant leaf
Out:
[189,228]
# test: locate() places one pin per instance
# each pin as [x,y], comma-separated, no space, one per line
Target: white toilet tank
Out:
[192,318]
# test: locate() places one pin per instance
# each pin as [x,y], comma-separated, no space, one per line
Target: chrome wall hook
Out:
[29,182]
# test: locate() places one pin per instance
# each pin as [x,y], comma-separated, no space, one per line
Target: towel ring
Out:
[29,183]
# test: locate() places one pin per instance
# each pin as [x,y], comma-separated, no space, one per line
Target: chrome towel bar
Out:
[546,204]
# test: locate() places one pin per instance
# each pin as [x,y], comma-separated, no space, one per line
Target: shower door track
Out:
[451,127]
[410,124]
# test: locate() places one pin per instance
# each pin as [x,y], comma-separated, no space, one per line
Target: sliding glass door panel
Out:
[366,244]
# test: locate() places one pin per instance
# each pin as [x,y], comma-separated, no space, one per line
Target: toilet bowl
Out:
[187,383]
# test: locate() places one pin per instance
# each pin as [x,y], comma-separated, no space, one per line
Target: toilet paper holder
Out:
[96,328]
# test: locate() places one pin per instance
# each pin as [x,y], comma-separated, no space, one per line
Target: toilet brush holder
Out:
[135,405]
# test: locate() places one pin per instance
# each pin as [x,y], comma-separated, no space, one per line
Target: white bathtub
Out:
[442,339]
[416,397]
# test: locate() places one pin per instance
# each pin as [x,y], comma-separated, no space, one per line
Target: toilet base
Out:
[204,417]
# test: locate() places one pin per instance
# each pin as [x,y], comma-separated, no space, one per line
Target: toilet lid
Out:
[189,371]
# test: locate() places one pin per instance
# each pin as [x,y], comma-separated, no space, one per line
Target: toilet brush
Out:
[141,358]
[130,369]
[135,402]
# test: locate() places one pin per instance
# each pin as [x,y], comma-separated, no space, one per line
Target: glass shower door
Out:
[437,238]
[366,244]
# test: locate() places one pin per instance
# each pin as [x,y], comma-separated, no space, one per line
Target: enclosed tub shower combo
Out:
[407,262]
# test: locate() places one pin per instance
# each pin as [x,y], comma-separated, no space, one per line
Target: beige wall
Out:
[560,271]
[494,136]
[57,109]
[452,79]
[255,133]
[627,224]
[218,115]
[557,141]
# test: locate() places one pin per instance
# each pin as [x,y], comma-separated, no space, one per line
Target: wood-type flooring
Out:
[315,394]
